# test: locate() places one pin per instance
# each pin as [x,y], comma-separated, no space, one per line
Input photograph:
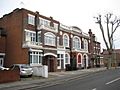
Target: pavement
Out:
[53,78]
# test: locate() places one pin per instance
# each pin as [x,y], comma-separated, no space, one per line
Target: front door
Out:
[85,66]
[1,61]
[50,62]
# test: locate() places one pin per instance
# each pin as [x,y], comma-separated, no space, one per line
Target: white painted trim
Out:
[65,34]
[50,54]
[29,31]
[74,40]
[31,15]
[35,50]
[3,54]
[50,48]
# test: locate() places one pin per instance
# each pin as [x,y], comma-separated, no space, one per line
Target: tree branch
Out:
[114,29]
[108,16]
[102,30]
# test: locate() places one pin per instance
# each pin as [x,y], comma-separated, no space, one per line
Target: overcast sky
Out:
[69,12]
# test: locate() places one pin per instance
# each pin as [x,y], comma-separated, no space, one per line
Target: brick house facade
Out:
[39,40]
[94,50]
[75,46]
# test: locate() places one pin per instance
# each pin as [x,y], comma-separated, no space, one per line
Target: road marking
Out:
[113,81]
[94,89]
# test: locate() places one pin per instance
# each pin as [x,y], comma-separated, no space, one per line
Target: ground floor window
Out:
[60,59]
[35,57]
[1,61]
[67,58]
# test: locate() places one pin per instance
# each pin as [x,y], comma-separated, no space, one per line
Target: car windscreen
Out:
[25,66]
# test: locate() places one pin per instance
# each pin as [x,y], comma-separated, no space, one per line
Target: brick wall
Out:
[10,75]
[2,44]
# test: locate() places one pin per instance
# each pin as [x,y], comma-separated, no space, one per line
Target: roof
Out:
[17,10]
[75,28]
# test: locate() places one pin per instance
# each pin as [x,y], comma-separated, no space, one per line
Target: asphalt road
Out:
[105,80]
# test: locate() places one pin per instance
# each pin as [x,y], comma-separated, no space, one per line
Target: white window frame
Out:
[68,62]
[46,23]
[76,44]
[49,39]
[58,41]
[60,58]
[31,19]
[85,44]
[41,21]
[39,37]
[30,36]
[65,40]
[38,56]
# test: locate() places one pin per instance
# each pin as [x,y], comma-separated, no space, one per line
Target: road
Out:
[105,80]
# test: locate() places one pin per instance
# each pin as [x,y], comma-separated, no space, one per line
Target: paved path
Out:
[53,76]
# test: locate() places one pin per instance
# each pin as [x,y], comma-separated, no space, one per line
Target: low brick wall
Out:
[9,75]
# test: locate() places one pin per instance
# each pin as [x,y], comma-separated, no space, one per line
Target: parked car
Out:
[3,68]
[25,69]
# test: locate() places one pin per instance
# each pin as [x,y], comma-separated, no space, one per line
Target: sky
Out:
[78,13]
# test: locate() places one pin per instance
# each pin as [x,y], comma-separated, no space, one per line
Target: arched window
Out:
[79,58]
[67,58]
[85,44]
[49,39]
[76,42]
[66,40]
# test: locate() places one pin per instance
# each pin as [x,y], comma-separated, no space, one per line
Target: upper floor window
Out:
[85,44]
[66,40]
[82,43]
[58,41]
[49,39]
[48,24]
[76,42]
[30,36]
[41,21]
[44,22]
[31,19]
[39,37]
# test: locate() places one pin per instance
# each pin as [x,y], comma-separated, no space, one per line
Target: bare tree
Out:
[112,22]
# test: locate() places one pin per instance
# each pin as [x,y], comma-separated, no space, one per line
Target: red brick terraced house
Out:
[94,50]
[31,38]
[39,40]
[75,47]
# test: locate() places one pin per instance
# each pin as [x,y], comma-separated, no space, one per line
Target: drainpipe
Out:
[36,24]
